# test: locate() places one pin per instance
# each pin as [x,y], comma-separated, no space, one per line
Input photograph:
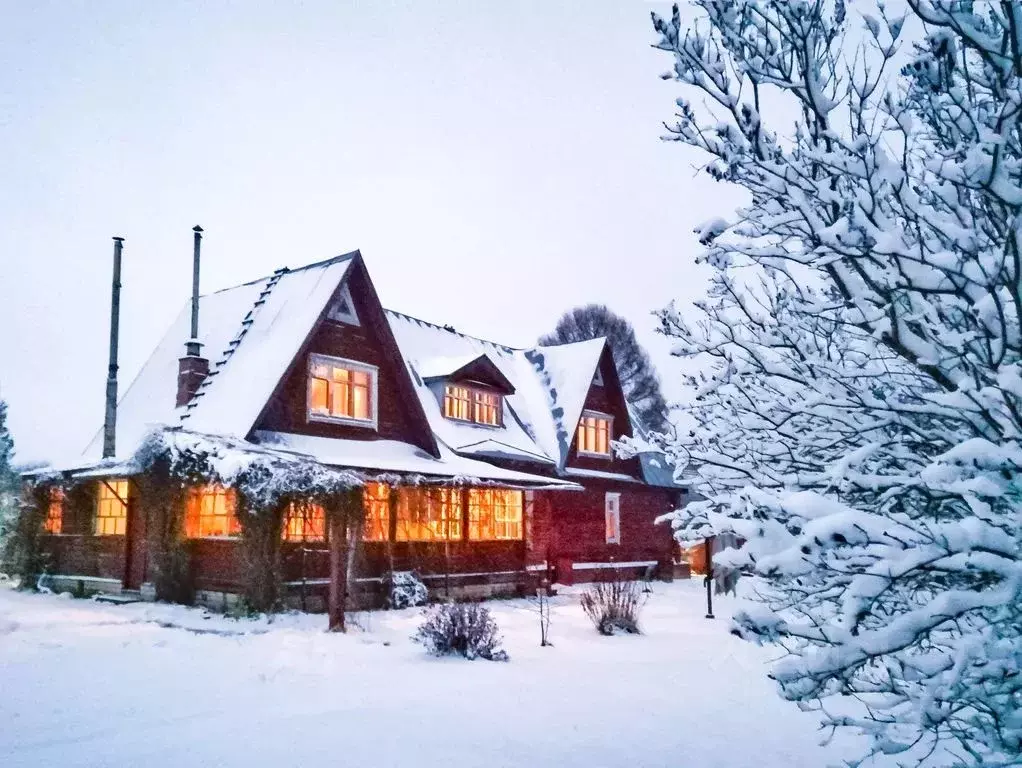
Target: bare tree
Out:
[634,368]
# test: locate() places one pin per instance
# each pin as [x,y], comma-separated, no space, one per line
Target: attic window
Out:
[598,378]
[343,309]
[342,391]
[594,434]
[464,403]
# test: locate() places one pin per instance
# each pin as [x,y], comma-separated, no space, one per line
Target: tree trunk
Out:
[338,572]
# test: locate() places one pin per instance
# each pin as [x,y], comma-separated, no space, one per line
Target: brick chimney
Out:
[193,367]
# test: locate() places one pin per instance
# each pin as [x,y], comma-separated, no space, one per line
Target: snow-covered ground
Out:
[91,684]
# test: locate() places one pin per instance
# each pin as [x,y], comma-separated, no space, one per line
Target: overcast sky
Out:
[496,163]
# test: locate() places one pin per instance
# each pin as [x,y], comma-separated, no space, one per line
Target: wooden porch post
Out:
[337,596]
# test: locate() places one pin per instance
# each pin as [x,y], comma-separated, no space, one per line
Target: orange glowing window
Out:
[494,514]
[111,507]
[54,512]
[471,404]
[304,522]
[612,515]
[429,514]
[594,434]
[341,390]
[376,501]
[210,511]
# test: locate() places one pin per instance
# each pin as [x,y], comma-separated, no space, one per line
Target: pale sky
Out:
[496,163]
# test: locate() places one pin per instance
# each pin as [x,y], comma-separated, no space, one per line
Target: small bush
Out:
[404,589]
[466,629]
[613,606]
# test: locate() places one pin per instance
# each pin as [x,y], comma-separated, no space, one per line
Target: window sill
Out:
[343,421]
[214,538]
[473,423]
[593,455]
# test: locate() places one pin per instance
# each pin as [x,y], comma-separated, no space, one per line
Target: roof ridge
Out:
[233,344]
[289,270]
[450,329]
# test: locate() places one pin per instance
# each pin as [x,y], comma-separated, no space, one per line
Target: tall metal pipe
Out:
[110,417]
[192,346]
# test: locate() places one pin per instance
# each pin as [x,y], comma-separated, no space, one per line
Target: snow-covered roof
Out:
[249,333]
[402,458]
[252,332]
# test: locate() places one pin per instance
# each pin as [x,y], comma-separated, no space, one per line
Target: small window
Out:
[112,508]
[376,501]
[54,512]
[210,512]
[598,378]
[343,309]
[304,522]
[472,404]
[594,434]
[612,508]
[494,514]
[342,391]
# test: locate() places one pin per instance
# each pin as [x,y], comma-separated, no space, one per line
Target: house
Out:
[484,468]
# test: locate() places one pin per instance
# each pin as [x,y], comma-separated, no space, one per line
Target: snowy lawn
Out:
[90,684]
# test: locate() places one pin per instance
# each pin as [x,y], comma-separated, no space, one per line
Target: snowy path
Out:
[87,684]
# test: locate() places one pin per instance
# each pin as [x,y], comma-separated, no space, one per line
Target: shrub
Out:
[613,605]
[404,589]
[466,629]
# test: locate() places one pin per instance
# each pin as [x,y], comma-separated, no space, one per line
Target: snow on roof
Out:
[566,372]
[403,458]
[269,336]
[252,332]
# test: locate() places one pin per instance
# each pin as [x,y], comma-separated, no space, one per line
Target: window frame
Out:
[493,516]
[230,503]
[610,435]
[315,359]
[113,501]
[437,499]
[475,391]
[53,525]
[615,508]
[304,516]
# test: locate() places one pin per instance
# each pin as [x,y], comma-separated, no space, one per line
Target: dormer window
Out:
[594,434]
[466,403]
[342,391]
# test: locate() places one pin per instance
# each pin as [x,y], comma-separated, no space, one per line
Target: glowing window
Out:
[210,511]
[612,514]
[376,502]
[494,514]
[54,512]
[429,514]
[594,434]
[112,508]
[304,522]
[471,404]
[341,390]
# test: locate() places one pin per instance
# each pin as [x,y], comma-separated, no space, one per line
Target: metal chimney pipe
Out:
[110,418]
[192,346]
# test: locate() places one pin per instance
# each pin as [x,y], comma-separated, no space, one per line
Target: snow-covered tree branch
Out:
[860,412]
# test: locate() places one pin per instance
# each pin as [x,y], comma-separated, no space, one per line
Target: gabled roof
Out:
[253,333]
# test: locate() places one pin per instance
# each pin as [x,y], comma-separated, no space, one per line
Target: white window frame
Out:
[612,507]
[610,435]
[341,362]
[473,389]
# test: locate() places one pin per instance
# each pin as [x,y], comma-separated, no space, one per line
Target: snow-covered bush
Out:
[613,605]
[23,556]
[859,414]
[404,589]
[464,629]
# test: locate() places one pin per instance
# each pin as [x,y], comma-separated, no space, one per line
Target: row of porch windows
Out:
[423,514]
